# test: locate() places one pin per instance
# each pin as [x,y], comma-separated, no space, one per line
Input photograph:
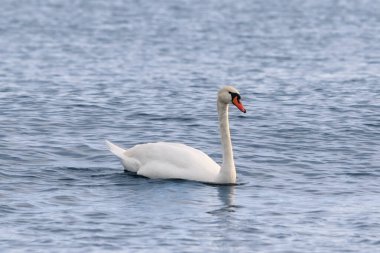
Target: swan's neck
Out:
[227,172]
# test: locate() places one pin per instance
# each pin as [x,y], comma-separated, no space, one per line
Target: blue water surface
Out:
[73,73]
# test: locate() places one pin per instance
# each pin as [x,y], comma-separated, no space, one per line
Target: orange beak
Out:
[238,104]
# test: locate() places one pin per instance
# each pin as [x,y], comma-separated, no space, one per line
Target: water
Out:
[73,73]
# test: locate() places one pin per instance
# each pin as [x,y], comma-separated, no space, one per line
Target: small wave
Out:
[361,174]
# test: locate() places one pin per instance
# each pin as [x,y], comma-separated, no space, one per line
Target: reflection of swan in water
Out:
[226,195]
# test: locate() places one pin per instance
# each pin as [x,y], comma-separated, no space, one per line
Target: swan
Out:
[166,160]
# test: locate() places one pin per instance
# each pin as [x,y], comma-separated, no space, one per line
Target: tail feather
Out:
[116,150]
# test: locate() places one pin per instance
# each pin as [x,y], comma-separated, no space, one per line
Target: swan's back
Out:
[172,160]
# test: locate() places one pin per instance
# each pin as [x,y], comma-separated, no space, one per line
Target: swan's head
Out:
[231,95]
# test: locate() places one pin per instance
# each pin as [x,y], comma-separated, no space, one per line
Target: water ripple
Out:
[76,73]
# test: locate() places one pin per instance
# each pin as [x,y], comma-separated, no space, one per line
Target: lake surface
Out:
[74,73]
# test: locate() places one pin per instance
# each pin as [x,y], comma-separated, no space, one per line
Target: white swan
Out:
[178,161]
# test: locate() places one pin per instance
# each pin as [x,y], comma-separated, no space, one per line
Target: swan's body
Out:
[178,161]
[168,160]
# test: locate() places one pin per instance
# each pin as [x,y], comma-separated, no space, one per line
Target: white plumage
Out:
[178,161]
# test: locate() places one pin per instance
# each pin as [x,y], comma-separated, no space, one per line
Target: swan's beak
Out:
[238,104]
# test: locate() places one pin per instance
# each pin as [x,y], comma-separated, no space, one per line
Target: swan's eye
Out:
[233,95]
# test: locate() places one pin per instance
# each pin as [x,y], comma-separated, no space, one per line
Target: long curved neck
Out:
[227,172]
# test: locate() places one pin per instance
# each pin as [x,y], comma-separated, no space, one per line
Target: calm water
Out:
[73,73]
